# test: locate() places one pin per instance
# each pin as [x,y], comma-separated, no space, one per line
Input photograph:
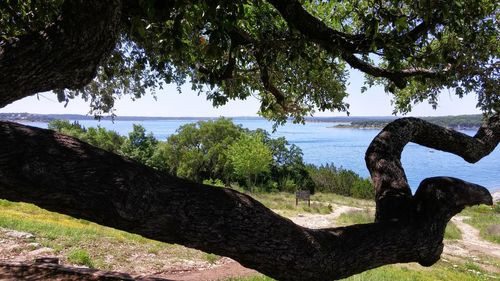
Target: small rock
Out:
[494,229]
[34,245]
[44,250]
[19,234]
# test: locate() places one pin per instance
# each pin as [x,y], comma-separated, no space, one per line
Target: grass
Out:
[80,257]
[211,258]
[413,272]
[343,200]
[452,232]
[484,218]
[410,272]
[355,217]
[284,203]
[86,243]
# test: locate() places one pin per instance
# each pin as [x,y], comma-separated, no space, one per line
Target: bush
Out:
[328,178]
[363,188]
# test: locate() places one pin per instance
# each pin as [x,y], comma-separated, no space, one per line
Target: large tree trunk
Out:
[64,55]
[65,175]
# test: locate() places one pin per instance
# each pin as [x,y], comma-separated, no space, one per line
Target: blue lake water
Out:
[323,144]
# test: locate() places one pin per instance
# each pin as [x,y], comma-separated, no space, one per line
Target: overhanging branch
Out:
[347,45]
[65,175]
[393,194]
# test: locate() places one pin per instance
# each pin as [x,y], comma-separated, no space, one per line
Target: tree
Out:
[198,150]
[250,157]
[139,146]
[287,165]
[295,56]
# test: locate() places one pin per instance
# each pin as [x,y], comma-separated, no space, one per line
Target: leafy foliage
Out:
[294,64]
[328,178]
[100,137]
[197,150]
[139,145]
[218,152]
[250,157]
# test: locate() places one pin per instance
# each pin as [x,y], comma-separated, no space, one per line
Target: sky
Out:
[374,102]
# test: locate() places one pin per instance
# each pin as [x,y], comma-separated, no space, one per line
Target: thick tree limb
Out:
[393,194]
[398,77]
[65,175]
[347,45]
[64,55]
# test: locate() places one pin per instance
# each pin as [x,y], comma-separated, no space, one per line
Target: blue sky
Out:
[374,102]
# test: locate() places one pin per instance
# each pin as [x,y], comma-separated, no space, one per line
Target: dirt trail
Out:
[471,242]
[227,269]
[323,221]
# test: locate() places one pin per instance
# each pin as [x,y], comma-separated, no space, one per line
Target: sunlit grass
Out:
[411,272]
[486,219]
[355,217]
[452,232]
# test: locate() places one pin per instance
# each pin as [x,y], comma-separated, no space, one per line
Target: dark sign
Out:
[303,195]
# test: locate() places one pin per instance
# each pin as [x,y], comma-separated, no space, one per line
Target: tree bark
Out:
[65,175]
[64,55]
[393,194]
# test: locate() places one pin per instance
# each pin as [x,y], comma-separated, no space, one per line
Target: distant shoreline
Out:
[458,122]
[380,127]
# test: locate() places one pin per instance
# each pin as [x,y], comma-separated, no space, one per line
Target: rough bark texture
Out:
[393,194]
[62,174]
[65,175]
[56,272]
[64,55]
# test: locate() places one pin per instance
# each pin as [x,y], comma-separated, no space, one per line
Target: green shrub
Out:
[328,178]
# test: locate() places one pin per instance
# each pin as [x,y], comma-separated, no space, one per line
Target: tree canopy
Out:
[295,56]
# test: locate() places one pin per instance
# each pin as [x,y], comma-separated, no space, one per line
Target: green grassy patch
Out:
[80,257]
[86,243]
[355,217]
[452,232]
[321,203]
[486,219]
[410,272]
[285,203]
[211,258]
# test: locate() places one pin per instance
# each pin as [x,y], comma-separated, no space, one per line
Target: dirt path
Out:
[323,221]
[471,242]
[228,269]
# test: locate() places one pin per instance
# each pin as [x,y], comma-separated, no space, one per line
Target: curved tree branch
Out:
[64,55]
[347,45]
[393,194]
[398,77]
[65,175]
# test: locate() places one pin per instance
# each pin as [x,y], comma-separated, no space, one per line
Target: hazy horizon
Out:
[169,103]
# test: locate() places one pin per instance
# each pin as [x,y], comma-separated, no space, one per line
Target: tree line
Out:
[458,122]
[219,152]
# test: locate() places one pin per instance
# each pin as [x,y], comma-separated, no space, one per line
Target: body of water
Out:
[344,147]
